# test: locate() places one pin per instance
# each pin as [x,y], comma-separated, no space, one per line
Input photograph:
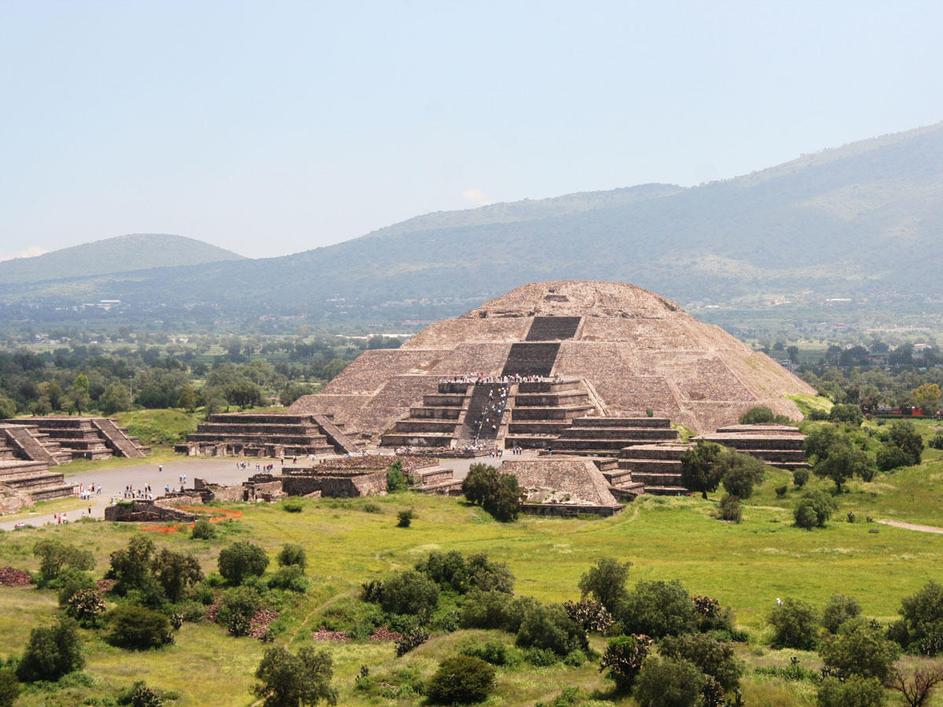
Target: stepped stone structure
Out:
[74,437]
[365,476]
[23,479]
[593,349]
[777,445]
[563,486]
[268,434]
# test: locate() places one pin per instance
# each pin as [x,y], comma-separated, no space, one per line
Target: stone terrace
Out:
[563,486]
[274,435]
[86,437]
[777,445]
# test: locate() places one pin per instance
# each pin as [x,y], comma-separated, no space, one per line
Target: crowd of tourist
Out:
[481,378]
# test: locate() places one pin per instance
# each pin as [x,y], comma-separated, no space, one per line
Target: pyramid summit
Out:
[582,349]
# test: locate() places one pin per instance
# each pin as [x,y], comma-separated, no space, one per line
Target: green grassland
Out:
[746,566]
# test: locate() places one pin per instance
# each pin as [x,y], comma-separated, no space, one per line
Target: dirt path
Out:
[912,526]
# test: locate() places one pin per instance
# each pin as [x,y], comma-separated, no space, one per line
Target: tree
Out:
[241,560]
[848,413]
[237,608]
[461,679]
[739,473]
[918,688]
[890,457]
[499,494]
[131,567]
[395,478]
[79,397]
[699,471]
[137,627]
[175,572]
[203,530]
[794,624]
[819,440]
[288,680]
[409,592]
[187,399]
[859,648]
[606,581]
[86,606]
[115,399]
[52,652]
[843,461]
[56,557]
[292,556]
[813,509]
[657,609]
[927,396]
[7,407]
[9,687]
[730,509]
[714,658]
[856,691]
[452,570]
[838,610]
[664,682]
[904,434]
[920,628]
[549,627]
[623,659]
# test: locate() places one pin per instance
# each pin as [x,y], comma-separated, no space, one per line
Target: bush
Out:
[461,679]
[714,658]
[452,570]
[859,648]
[589,614]
[730,509]
[499,494]
[203,530]
[292,556]
[289,679]
[842,461]
[890,456]
[904,434]
[814,509]
[491,609]
[71,581]
[920,628]
[411,638]
[291,578]
[493,652]
[699,469]
[623,659]
[408,592]
[781,491]
[711,616]
[548,627]
[131,567]
[237,608]
[9,687]
[658,608]
[838,610]
[405,518]
[395,478]
[140,695]
[293,505]
[138,627]
[936,442]
[241,560]
[850,414]
[176,572]
[740,472]
[854,692]
[56,557]
[52,651]
[794,625]
[800,477]
[606,582]
[86,606]
[664,682]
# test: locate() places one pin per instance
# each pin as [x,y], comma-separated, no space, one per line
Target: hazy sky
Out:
[273,127]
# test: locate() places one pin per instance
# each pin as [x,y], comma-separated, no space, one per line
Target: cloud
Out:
[476,196]
[30,252]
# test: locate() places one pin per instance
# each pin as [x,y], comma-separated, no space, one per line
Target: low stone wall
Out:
[339,486]
[145,511]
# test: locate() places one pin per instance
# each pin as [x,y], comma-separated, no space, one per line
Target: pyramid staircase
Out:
[437,421]
[27,477]
[86,437]
[781,446]
[542,410]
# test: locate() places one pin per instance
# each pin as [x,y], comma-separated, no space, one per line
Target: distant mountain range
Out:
[138,251]
[865,219]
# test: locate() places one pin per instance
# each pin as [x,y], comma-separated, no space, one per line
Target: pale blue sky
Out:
[273,127]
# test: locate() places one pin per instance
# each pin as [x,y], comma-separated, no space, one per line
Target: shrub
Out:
[490,609]
[730,509]
[850,414]
[52,651]
[493,652]
[241,560]
[606,582]
[499,494]
[843,461]
[781,491]
[293,505]
[56,557]
[936,442]
[699,469]
[203,530]
[140,695]
[395,478]
[411,638]
[794,624]
[838,610]
[658,608]
[664,682]
[292,556]
[131,566]
[714,658]
[9,687]
[86,606]
[854,692]
[800,477]
[409,592]
[452,570]
[176,572]
[920,628]
[859,648]
[461,679]
[71,581]
[237,608]
[890,456]
[711,616]
[138,627]
[548,627]
[291,578]
[589,614]
[813,510]
[623,659]
[289,679]
[740,472]
[404,518]
[904,434]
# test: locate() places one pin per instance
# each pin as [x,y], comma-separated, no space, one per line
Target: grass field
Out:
[746,566]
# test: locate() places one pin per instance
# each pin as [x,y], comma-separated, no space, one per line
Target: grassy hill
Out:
[137,251]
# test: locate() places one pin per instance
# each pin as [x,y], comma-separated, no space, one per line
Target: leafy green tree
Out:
[714,658]
[847,413]
[9,687]
[794,624]
[188,397]
[699,468]
[623,659]
[499,494]
[7,407]
[890,457]
[927,396]
[856,691]
[548,627]
[453,570]
[79,396]
[739,473]
[838,610]
[904,434]
[606,582]
[52,651]
[859,648]
[289,680]
[175,572]
[203,530]
[409,592]
[292,556]
[461,679]
[820,439]
[843,461]
[116,398]
[920,628]
[237,608]
[730,508]
[137,627]
[814,509]
[760,415]
[664,682]
[395,478]
[55,557]
[241,560]
[131,566]
[657,609]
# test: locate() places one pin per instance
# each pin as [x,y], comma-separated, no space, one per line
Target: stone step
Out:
[613,446]
[562,412]
[424,439]
[426,425]
[438,413]
[616,433]
[658,479]
[651,465]
[542,427]
[747,442]
[444,400]
[563,398]
[530,387]
[253,438]
[655,451]
[666,490]
[626,422]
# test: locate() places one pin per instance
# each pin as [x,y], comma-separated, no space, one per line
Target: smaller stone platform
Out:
[563,486]
[781,446]
[78,437]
